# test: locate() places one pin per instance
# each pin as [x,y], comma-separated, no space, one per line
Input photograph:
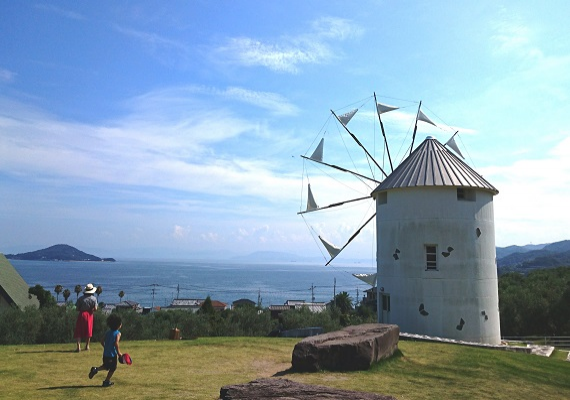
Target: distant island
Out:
[59,252]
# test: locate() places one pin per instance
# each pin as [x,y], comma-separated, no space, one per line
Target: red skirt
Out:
[84,325]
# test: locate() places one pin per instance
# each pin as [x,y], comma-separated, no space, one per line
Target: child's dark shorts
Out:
[110,363]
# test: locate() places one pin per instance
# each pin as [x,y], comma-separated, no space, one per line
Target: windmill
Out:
[436,272]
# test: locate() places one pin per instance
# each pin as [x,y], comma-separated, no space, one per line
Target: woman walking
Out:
[86,305]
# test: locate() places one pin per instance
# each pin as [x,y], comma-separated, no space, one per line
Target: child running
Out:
[111,350]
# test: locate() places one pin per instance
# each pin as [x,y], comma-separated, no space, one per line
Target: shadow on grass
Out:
[47,351]
[70,387]
[283,373]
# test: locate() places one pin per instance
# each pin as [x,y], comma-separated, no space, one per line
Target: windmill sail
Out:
[311,203]
[345,118]
[332,249]
[343,170]
[420,116]
[368,278]
[318,153]
[355,234]
[360,144]
[381,109]
[340,203]
[424,118]
[451,143]
[384,108]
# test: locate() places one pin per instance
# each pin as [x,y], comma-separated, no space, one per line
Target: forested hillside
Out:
[535,304]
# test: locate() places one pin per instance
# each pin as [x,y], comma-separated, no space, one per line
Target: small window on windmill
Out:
[382,198]
[431,257]
[465,194]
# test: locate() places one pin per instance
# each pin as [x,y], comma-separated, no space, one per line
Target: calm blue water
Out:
[158,282]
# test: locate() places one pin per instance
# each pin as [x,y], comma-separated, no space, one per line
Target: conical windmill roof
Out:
[431,164]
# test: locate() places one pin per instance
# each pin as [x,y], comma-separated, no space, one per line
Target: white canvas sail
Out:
[451,143]
[423,117]
[368,278]
[332,249]
[311,203]
[318,153]
[345,118]
[384,108]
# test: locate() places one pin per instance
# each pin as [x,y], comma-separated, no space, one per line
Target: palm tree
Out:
[98,291]
[343,302]
[58,289]
[121,294]
[66,294]
[77,290]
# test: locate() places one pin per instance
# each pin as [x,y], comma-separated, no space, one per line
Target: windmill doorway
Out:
[385,308]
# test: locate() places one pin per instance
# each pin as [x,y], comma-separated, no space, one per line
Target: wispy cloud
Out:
[166,149]
[269,101]
[532,191]
[288,53]
[60,11]
[166,50]
[6,75]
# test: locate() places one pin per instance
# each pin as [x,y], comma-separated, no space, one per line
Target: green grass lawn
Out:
[197,369]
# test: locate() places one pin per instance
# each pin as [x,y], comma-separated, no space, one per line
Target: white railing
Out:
[560,342]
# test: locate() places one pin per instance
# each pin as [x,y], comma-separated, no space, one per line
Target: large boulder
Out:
[288,390]
[350,349]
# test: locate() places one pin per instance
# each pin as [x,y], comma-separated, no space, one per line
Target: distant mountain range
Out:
[59,252]
[512,258]
[526,258]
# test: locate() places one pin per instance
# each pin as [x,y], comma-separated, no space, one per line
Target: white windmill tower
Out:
[436,269]
[437,274]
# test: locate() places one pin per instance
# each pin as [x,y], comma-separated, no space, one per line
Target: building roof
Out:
[431,164]
[127,304]
[219,305]
[13,288]
[186,302]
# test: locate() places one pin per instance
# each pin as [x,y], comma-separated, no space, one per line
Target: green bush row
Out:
[56,324]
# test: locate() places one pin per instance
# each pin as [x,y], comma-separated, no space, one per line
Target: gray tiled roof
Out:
[431,164]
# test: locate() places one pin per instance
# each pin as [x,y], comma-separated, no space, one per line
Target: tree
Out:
[66,294]
[44,296]
[58,289]
[343,302]
[98,291]
[77,290]
[207,307]
[121,294]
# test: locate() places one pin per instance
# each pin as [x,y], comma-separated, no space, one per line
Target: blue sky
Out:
[174,129]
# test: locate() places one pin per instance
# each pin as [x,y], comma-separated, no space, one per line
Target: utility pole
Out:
[154,285]
[334,288]
[312,293]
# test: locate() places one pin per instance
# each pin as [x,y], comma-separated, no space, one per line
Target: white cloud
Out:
[289,53]
[165,50]
[533,197]
[179,232]
[60,11]
[511,37]
[270,101]
[6,75]
[178,145]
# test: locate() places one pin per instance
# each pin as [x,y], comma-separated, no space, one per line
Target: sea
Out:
[154,283]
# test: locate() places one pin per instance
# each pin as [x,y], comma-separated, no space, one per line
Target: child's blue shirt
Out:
[110,339]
